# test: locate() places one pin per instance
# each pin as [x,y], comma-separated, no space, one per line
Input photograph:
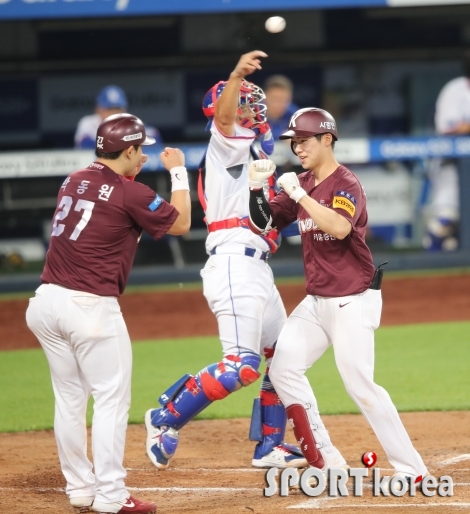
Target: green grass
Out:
[423,367]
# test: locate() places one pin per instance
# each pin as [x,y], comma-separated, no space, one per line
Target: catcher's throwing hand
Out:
[259,171]
[248,64]
[172,157]
[290,183]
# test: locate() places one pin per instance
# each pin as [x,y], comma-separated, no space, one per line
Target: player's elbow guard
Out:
[260,220]
[256,230]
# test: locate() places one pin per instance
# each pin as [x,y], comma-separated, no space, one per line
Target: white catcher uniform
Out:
[238,283]
[239,287]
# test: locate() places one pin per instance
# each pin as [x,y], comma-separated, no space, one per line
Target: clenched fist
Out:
[259,171]
[172,157]
[290,183]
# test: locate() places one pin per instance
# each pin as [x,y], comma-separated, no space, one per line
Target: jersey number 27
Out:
[81,205]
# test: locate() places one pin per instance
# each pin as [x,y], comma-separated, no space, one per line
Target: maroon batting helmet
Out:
[310,122]
[121,131]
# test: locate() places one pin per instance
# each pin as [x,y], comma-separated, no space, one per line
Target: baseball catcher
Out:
[238,282]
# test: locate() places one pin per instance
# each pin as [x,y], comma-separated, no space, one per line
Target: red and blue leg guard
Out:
[268,425]
[190,395]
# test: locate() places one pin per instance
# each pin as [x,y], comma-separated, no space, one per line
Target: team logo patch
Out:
[132,137]
[345,201]
[156,203]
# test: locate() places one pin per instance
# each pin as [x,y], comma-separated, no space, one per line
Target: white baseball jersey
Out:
[85,135]
[453,105]
[452,109]
[226,187]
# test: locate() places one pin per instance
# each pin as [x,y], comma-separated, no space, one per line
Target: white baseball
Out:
[275,24]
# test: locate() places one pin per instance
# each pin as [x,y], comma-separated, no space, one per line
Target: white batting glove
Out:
[290,183]
[259,171]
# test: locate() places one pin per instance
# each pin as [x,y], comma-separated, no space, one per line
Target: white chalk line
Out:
[214,470]
[319,504]
[454,460]
[456,484]
[37,489]
[151,489]
[189,489]
[263,470]
[197,489]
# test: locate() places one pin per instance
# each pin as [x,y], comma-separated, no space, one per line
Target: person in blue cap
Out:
[110,100]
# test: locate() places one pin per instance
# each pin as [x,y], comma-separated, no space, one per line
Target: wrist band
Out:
[255,184]
[179,179]
[297,194]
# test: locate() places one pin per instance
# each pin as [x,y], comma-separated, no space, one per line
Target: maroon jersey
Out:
[96,227]
[333,267]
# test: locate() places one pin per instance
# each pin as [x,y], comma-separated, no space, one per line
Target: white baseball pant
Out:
[88,349]
[318,322]
[241,293]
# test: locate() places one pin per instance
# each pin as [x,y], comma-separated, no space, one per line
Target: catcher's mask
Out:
[251,112]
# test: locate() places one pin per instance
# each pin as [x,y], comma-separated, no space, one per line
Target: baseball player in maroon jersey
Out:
[343,302]
[75,314]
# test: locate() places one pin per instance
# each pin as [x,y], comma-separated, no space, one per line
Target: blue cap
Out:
[112,97]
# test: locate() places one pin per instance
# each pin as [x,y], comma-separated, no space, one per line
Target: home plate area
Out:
[212,473]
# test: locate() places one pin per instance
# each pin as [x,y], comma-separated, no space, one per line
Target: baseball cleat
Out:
[161,442]
[130,505]
[82,503]
[313,482]
[281,456]
[333,459]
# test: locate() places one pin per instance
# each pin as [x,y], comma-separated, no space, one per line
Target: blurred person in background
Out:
[279,91]
[110,100]
[452,118]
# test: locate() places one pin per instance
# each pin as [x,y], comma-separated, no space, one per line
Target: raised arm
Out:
[226,107]
[173,160]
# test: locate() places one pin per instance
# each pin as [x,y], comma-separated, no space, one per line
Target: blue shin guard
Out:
[268,426]
[189,396]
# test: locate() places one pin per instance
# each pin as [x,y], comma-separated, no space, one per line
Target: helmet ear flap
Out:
[210,99]
[292,147]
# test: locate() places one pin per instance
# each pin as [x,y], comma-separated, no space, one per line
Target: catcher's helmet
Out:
[250,96]
[310,122]
[121,131]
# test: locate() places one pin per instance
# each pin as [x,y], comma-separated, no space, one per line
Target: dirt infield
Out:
[211,472]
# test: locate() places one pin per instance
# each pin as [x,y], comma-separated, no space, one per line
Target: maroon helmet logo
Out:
[310,121]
